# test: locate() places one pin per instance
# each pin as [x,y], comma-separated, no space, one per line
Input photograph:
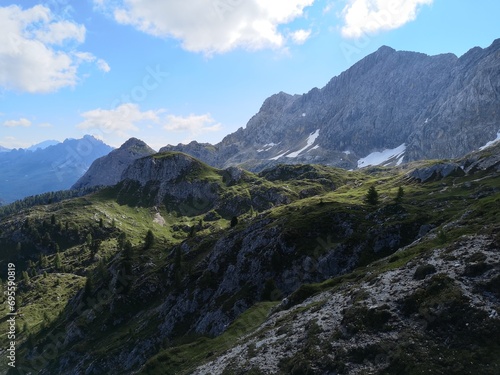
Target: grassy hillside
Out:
[114,282]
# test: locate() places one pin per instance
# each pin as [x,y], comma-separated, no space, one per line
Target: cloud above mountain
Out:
[23,122]
[194,125]
[120,120]
[128,118]
[371,16]
[38,51]
[211,26]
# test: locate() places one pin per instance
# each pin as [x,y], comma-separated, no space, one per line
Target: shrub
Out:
[423,270]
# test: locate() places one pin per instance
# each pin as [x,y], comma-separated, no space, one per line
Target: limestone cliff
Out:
[429,106]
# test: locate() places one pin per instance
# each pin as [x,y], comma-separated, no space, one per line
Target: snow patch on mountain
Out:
[268,146]
[280,155]
[382,157]
[490,142]
[310,141]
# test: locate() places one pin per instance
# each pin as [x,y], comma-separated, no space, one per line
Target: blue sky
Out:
[174,71]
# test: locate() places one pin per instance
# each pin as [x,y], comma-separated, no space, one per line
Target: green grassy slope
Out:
[87,276]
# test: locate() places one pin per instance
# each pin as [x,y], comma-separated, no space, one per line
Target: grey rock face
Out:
[107,170]
[186,185]
[438,106]
[436,172]
[488,159]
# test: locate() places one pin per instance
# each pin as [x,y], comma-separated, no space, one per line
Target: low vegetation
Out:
[106,271]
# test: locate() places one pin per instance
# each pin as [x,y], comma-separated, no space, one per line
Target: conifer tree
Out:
[122,239]
[149,240]
[88,240]
[372,196]
[26,277]
[89,286]
[399,195]
[57,262]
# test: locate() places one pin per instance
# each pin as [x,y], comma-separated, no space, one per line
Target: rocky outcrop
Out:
[485,160]
[438,107]
[183,184]
[390,322]
[436,172]
[107,170]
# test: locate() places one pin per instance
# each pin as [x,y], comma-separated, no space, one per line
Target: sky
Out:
[174,71]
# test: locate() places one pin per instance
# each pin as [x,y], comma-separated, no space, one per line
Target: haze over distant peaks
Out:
[43,145]
[57,167]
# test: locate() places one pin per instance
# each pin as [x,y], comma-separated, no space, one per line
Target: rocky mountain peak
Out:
[423,107]
[108,169]
[134,143]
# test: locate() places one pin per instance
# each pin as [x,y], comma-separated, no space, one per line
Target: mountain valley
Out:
[185,268]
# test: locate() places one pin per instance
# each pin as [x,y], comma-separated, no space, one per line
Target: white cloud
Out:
[214,26]
[88,57]
[193,124]
[371,16]
[59,32]
[103,65]
[119,120]
[37,50]
[300,36]
[16,123]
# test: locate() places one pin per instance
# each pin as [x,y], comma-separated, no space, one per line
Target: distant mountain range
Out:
[391,107]
[48,168]
[43,145]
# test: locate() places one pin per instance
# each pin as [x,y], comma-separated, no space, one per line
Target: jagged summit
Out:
[108,169]
[424,107]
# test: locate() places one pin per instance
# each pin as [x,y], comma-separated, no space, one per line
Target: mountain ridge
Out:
[406,105]
[387,99]
[56,167]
